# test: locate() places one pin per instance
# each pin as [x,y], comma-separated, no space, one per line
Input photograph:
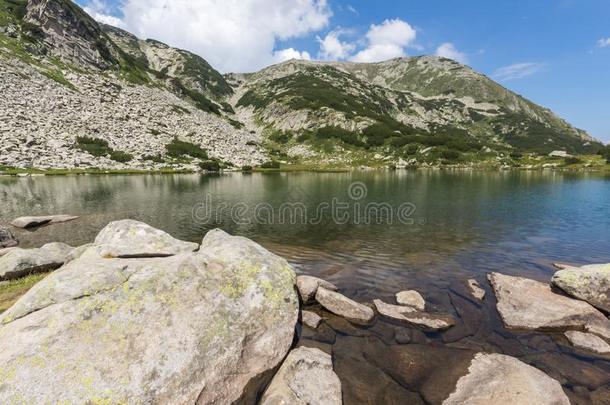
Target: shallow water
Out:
[445,227]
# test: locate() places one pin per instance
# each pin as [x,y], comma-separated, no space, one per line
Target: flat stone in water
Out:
[528,304]
[31,222]
[503,380]
[409,315]
[341,305]
[311,319]
[588,341]
[305,377]
[475,289]
[308,286]
[412,299]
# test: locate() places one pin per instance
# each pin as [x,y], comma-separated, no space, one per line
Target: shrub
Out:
[246,169]
[272,164]
[280,136]
[572,160]
[154,158]
[120,156]
[210,165]
[450,154]
[516,155]
[605,152]
[179,149]
[93,146]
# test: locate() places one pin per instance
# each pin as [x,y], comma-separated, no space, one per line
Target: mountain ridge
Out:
[424,109]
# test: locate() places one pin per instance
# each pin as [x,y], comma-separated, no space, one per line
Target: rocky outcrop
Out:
[305,378]
[588,341]
[21,262]
[308,286]
[411,299]
[7,239]
[504,380]
[204,327]
[529,304]
[588,283]
[129,238]
[340,305]
[32,222]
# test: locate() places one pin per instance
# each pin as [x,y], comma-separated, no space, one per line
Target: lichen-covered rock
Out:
[129,238]
[588,341]
[305,378]
[529,304]
[340,305]
[201,327]
[7,239]
[31,222]
[412,299]
[503,380]
[308,286]
[21,262]
[588,283]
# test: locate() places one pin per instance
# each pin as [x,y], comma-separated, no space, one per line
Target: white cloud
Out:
[233,35]
[448,50]
[288,54]
[332,48]
[99,11]
[386,41]
[517,71]
[604,42]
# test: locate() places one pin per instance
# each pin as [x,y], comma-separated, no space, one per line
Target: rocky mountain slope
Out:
[82,94]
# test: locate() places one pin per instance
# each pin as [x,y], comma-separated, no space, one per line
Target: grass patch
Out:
[11,291]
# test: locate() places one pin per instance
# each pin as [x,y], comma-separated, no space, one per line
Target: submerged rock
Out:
[499,379]
[475,289]
[7,239]
[340,305]
[129,239]
[411,316]
[311,319]
[308,286]
[32,222]
[22,262]
[306,377]
[412,299]
[588,283]
[529,304]
[588,341]
[202,327]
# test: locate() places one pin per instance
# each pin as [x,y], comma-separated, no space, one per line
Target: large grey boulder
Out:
[503,380]
[7,239]
[129,239]
[340,305]
[588,283]
[202,328]
[528,304]
[308,286]
[21,262]
[305,378]
[31,222]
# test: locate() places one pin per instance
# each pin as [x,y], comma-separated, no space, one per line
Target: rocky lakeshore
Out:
[138,316]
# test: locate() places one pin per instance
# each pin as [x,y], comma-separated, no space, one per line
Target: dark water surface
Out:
[445,227]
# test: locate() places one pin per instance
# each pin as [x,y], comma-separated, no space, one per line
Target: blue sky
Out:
[554,52]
